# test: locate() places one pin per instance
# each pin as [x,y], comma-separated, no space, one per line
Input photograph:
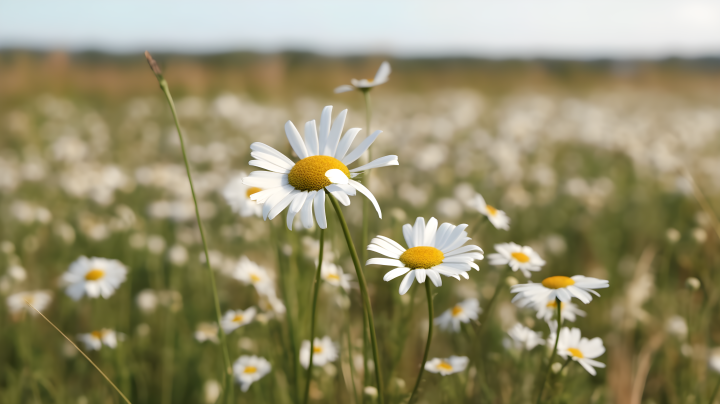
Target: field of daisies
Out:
[360,241]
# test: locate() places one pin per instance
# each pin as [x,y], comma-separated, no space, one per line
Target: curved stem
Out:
[550,361]
[316,290]
[364,292]
[431,316]
[166,90]
[715,392]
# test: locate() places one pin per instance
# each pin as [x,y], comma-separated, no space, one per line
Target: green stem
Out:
[350,358]
[365,296]
[366,226]
[488,309]
[431,316]
[316,290]
[554,351]
[226,356]
[715,392]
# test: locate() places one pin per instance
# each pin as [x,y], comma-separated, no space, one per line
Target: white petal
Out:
[270,158]
[269,166]
[295,206]
[419,232]
[362,147]
[384,261]
[295,140]
[343,88]
[282,204]
[395,273]
[393,243]
[335,132]
[320,209]
[324,132]
[384,251]
[434,277]
[306,213]
[360,187]
[341,196]
[346,142]
[262,147]
[275,198]
[430,230]
[311,138]
[385,161]
[336,176]
[266,182]
[407,282]
[420,275]
[442,232]
[382,74]
[409,235]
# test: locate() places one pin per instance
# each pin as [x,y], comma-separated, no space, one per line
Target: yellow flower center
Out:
[94,274]
[333,277]
[252,190]
[576,353]
[97,334]
[250,370]
[238,318]
[456,311]
[317,349]
[422,257]
[254,278]
[520,257]
[308,174]
[491,211]
[557,282]
[445,366]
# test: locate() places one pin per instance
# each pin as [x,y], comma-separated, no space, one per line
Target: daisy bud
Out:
[556,367]
[692,283]
[370,391]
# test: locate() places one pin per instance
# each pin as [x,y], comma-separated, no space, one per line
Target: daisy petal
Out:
[343,88]
[382,74]
[407,282]
[295,206]
[306,213]
[362,147]
[434,277]
[395,273]
[335,132]
[409,235]
[324,132]
[282,204]
[363,190]
[269,166]
[270,158]
[346,142]
[295,140]
[336,176]
[262,147]
[385,161]
[320,209]
[311,138]
[384,261]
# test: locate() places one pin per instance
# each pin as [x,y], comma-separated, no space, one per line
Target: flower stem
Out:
[166,90]
[364,292]
[431,316]
[316,289]
[488,309]
[715,393]
[550,361]
[366,227]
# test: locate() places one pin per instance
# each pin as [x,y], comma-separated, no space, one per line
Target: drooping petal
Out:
[434,277]
[340,195]
[363,190]
[295,206]
[420,275]
[320,209]
[407,282]
[306,215]
[295,140]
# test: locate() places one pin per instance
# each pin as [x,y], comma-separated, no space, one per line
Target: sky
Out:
[480,28]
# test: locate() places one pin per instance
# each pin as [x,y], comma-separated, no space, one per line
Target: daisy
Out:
[714,359]
[207,332]
[580,349]
[524,337]
[249,369]
[94,277]
[497,217]
[431,252]
[561,287]
[568,310]
[519,257]
[333,275]
[18,302]
[250,273]
[238,195]
[95,340]
[269,302]
[234,319]
[381,77]
[323,167]
[447,366]
[324,352]
[462,312]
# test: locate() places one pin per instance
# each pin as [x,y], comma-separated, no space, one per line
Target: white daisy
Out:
[249,369]
[519,257]
[714,359]
[207,332]
[432,251]
[94,277]
[580,349]
[497,217]
[462,312]
[234,319]
[238,195]
[547,310]
[381,77]
[269,302]
[447,366]
[250,273]
[324,352]
[18,302]
[524,337]
[322,168]
[333,275]
[95,340]
[561,287]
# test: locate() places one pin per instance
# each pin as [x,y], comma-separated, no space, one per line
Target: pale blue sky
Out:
[498,28]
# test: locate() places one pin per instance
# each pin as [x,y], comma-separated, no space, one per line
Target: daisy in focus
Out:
[207,332]
[93,277]
[518,257]
[580,349]
[238,195]
[333,275]
[250,273]
[95,340]
[381,77]
[524,337]
[432,251]
[447,366]
[18,302]
[234,319]
[323,167]
[561,287]
[462,312]
[324,352]
[497,217]
[249,369]
[547,310]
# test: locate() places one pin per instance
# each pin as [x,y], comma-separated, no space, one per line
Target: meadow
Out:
[607,170]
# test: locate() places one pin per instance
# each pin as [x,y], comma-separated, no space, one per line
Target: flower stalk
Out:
[554,351]
[316,289]
[431,316]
